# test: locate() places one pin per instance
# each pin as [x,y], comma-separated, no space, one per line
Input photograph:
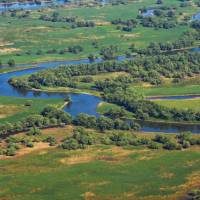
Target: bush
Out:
[154,145]
[34,131]
[171,146]
[29,144]
[11,151]
[186,144]
[70,144]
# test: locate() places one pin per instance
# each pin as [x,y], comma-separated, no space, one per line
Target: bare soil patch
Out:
[37,147]
[9,50]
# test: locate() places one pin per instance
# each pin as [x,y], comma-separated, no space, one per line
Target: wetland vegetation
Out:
[85,87]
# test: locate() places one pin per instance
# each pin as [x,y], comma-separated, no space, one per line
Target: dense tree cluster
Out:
[52,117]
[81,139]
[104,123]
[163,17]
[109,53]
[153,22]
[142,68]
[187,40]
[144,109]
[127,25]
[73,21]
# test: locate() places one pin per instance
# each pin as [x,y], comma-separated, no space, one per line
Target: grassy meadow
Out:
[30,32]
[14,109]
[98,172]
[170,90]
[193,104]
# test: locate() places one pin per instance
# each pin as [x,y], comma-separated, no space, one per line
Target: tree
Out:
[91,57]
[11,63]
[104,123]
[34,131]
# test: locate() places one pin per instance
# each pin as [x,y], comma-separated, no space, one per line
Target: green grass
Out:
[31,33]
[70,90]
[14,69]
[36,107]
[104,107]
[151,175]
[171,90]
[193,104]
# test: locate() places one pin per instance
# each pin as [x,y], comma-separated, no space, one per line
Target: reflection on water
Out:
[81,103]
[148,126]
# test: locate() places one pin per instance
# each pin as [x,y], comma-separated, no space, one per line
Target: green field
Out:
[14,69]
[113,160]
[193,104]
[34,106]
[171,90]
[100,173]
[30,32]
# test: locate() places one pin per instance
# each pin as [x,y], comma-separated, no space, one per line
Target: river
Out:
[81,103]
[84,103]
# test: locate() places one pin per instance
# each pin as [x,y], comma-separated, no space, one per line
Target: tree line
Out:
[73,21]
[145,110]
[81,139]
[141,68]
[53,117]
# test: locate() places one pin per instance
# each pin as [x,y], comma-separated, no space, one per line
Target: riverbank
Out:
[153,125]
[68,90]
[16,69]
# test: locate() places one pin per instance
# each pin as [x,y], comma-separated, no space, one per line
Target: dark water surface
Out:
[84,103]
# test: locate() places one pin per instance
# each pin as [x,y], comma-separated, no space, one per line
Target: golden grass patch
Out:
[23,151]
[5,43]
[9,50]
[114,154]
[78,159]
[102,23]
[133,35]
[8,110]
[89,196]
[58,133]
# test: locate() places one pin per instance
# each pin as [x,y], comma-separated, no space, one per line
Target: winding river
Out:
[81,103]
[84,103]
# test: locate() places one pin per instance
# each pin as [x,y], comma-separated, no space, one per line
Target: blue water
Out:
[35,6]
[196,49]
[149,13]
[84,103]
[168,127]
[196,17]
[29,5]
[81,102]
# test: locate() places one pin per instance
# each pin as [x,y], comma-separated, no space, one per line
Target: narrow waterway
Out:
[84,103]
